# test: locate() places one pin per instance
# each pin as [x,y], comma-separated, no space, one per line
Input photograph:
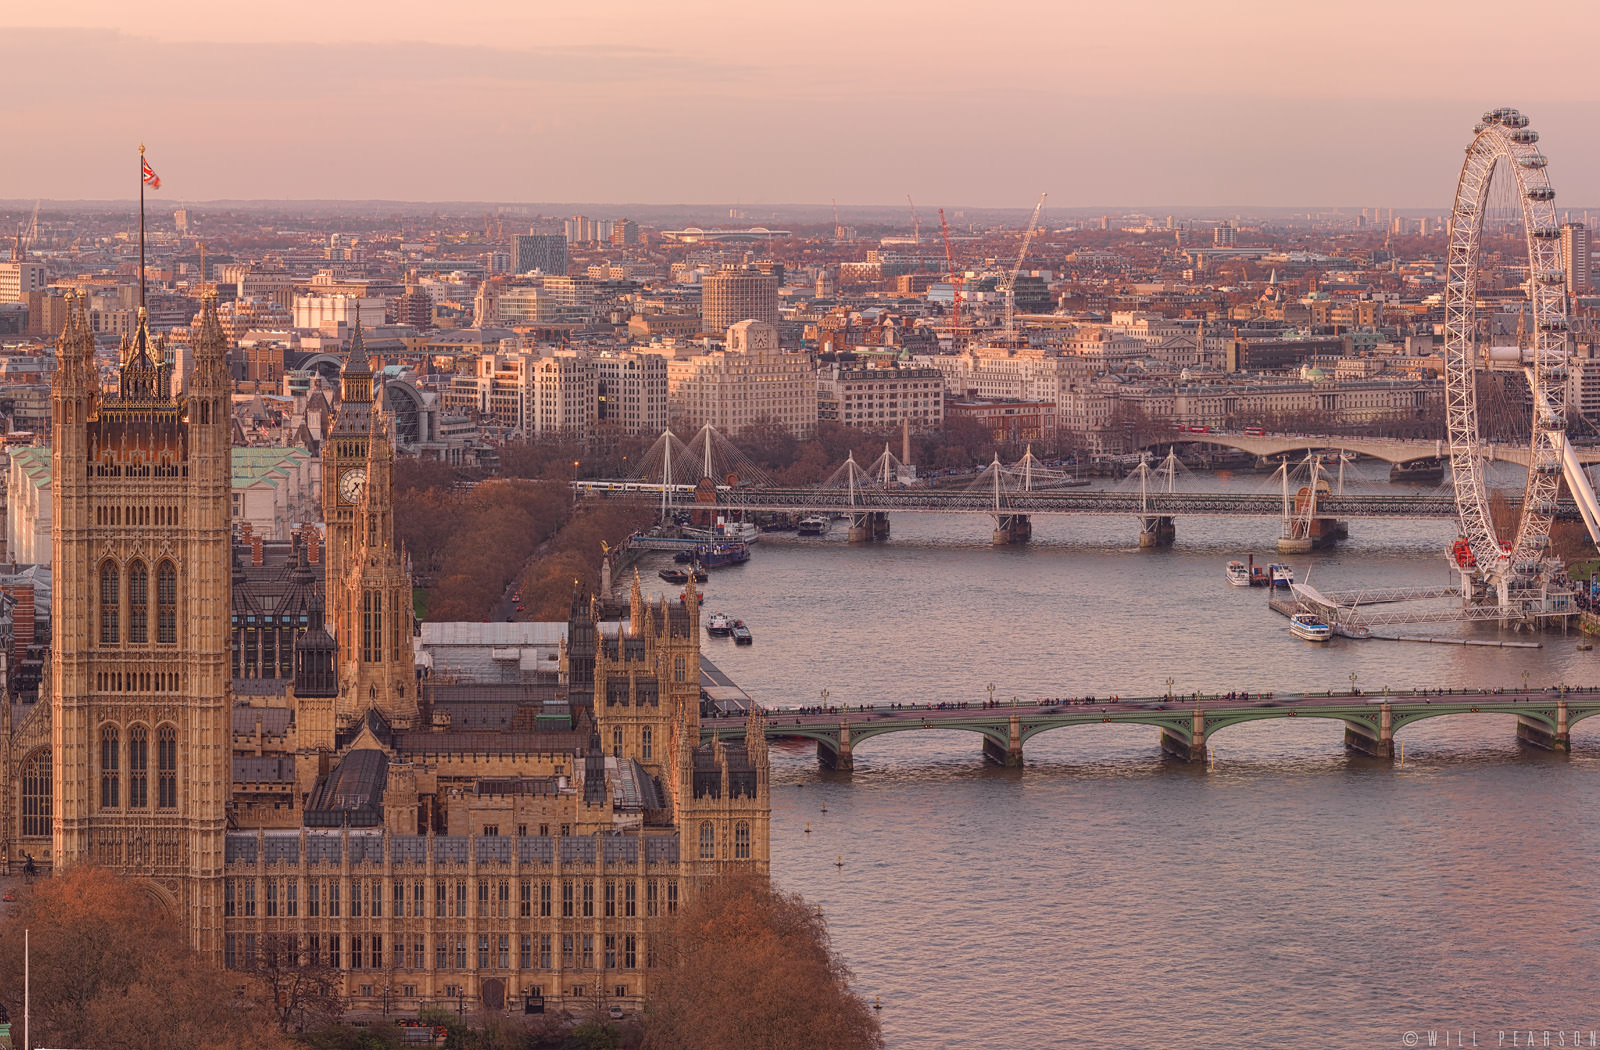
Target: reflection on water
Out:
[1101,896]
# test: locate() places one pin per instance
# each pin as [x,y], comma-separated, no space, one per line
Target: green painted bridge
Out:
[1186,724]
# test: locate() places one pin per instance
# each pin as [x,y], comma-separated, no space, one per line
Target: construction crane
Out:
[955,278]
[838,227]
[1011,280]
[916,221]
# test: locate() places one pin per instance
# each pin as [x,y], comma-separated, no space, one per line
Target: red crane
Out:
[955,275]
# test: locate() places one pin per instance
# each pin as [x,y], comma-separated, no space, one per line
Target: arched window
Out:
[371,626]
[616,743]
[138,604]
[167,768]
[36,793]
[138,766]
[677,668]
[741,840]
[110,605]
[110,759]
[645,737]
[167,604]
[708,841]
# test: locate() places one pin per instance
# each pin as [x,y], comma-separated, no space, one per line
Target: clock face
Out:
[351,482]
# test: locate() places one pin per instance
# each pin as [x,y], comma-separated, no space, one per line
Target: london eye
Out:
[1504,146]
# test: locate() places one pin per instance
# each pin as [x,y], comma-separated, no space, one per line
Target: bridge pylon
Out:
[1012,528]
[1190,746]
[1009,754]
[1156,531]
[1541,734]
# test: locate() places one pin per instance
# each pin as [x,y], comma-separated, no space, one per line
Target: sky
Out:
[1183,103]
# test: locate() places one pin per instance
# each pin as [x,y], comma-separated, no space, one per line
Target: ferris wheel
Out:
[1504,143]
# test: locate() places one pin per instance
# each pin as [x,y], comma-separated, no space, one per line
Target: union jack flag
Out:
[151,179]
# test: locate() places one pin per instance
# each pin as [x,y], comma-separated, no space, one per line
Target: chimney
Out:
[313,540]
[255,550]
[22,623]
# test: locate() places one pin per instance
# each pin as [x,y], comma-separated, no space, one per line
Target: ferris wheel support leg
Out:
[1582,492]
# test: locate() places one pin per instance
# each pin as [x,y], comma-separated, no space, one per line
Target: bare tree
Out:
[301,991]
[746,965]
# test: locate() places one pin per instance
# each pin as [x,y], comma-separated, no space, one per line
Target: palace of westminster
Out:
[432,836]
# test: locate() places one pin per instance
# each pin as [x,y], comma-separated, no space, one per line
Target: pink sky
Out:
[1366,102]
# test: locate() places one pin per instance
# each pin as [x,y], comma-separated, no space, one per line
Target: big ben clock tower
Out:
[344,476]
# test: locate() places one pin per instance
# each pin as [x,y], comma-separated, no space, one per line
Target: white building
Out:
[751,381]
[857,396]
[314,311]
[28,506]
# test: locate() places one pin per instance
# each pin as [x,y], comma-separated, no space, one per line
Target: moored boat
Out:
[814,525]
[741,634]
[1309,627]
[1238,574]
[1282,575]
[678,576]
[716,555]
[719,624]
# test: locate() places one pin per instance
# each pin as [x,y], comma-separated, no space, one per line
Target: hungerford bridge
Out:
[710,474]
[1543,720]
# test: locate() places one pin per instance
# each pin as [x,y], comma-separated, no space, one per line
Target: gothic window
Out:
[708,841]
[616,743]
[167,768]
[741,841]
[644,743]
[677,668]
[110,605]
[371,626]
[167,604]
[138,766]
[36,794]
[138,604]
[110,754]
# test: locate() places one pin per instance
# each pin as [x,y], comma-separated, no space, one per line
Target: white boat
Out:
[744,531]
[1307,626]
[814,525]
[1282,576]
[1238,574]
[719,624]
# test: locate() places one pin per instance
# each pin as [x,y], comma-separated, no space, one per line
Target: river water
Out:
[1293,895]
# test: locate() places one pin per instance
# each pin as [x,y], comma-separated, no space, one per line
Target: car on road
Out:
[8,896]
[616,1012]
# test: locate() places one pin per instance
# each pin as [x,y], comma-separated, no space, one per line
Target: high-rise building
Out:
[1223,236]
[19,278]
[737,294]
[140,689]
[624,232]
[1575,253]
[544,252]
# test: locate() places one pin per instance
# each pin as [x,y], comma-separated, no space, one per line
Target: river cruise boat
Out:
[814,525]
[1309,627]
[719,625]
[716,555]
[1282,575]
[1238,574]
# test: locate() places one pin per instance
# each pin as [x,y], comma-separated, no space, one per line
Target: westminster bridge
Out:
[1543,718]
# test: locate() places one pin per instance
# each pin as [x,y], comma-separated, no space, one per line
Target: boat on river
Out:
[1309,627]
[716,555]
[741,634]
[1282,575]
[814,525]
[719,625]
[1238,574]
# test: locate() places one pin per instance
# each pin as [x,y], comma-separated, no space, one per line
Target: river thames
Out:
[1293,895]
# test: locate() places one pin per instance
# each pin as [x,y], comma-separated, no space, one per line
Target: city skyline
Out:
[705,103]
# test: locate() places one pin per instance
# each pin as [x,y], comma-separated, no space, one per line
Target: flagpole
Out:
[141,225]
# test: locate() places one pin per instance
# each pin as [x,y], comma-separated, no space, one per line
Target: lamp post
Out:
[1169,688]
[574,471]
[824,701]
[1524,683]
[1352,683]
[991,694]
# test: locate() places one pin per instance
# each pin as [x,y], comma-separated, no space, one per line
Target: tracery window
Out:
[138,604]
[110,605]
[110,756]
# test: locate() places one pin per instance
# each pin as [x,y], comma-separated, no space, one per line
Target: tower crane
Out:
[955,278]
[1011,280]
[838,228]
[916,221]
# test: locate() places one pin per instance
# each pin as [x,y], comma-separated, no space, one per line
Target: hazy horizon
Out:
[710,104]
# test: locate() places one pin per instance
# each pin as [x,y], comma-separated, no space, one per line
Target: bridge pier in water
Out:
[869,526]
[1010,755]
[840,758]
[1538,733]
[1012,528]
[1190,747]
[1156,532]
[1358,736]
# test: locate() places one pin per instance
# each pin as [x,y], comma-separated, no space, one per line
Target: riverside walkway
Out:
[1544,719]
